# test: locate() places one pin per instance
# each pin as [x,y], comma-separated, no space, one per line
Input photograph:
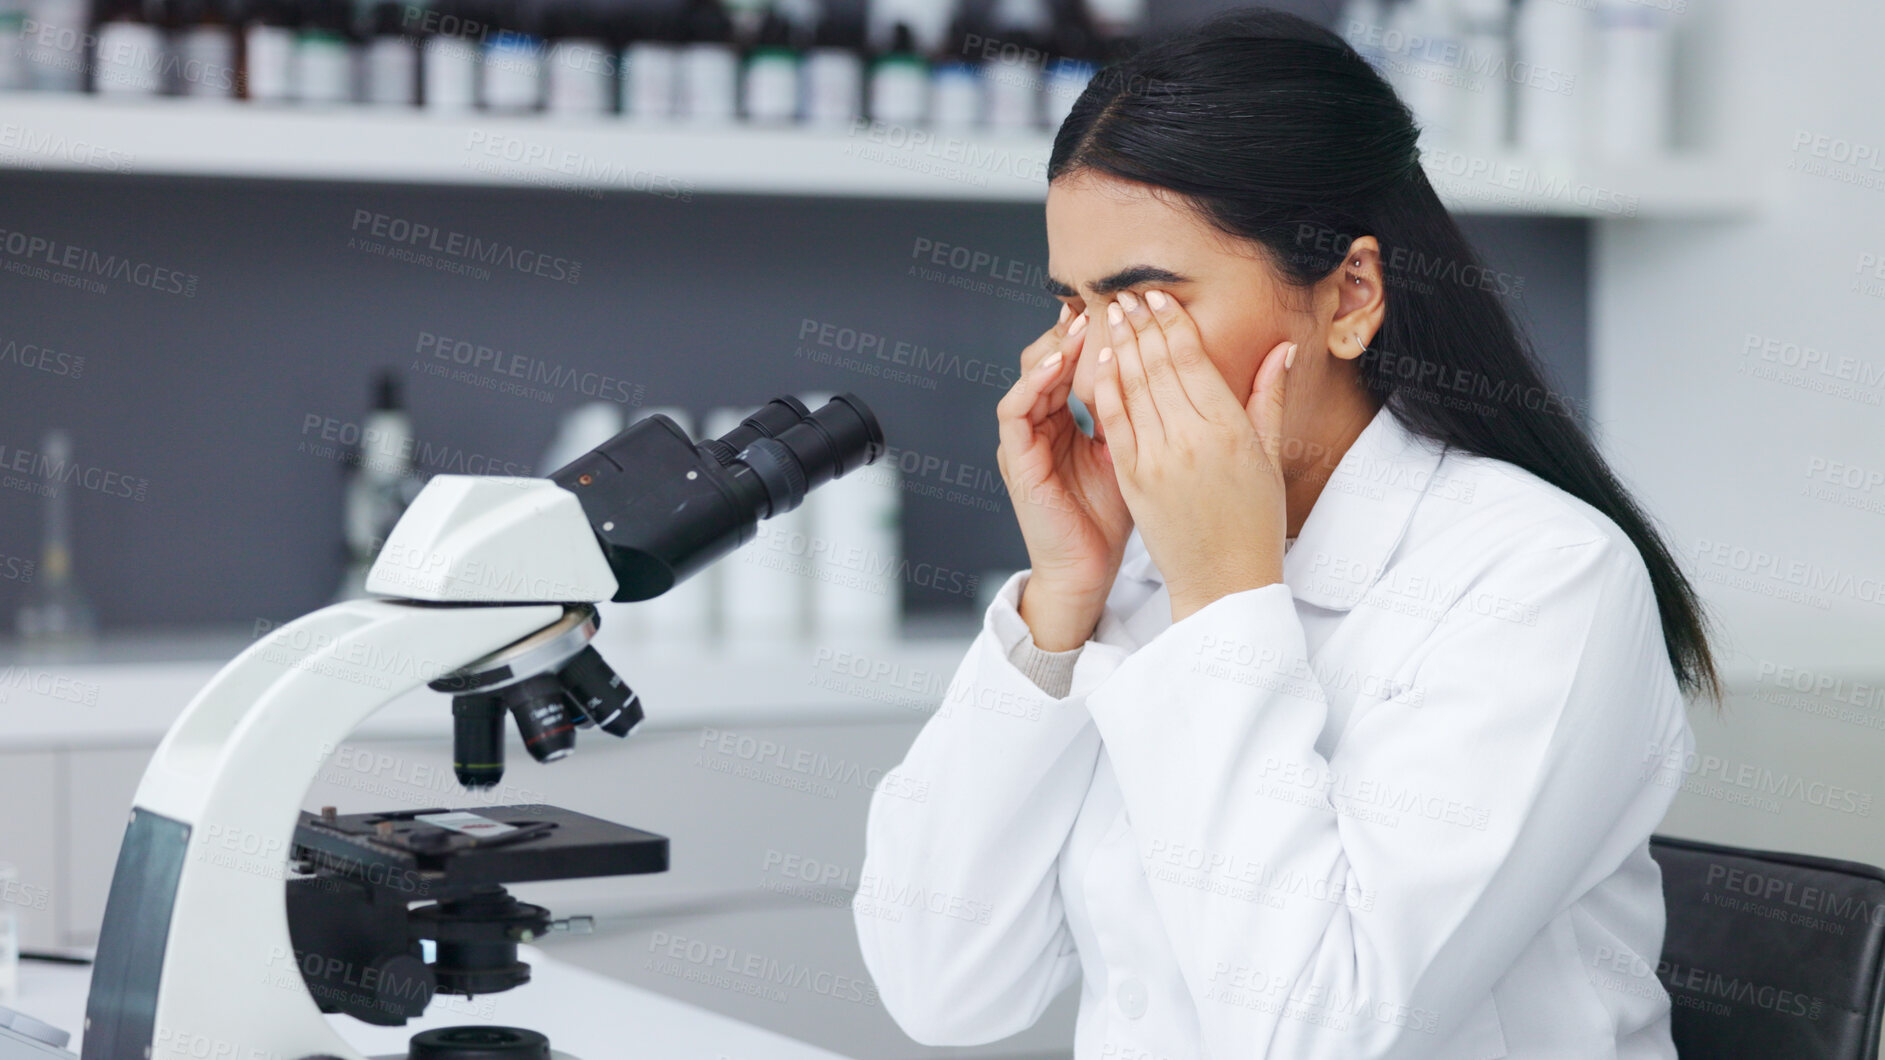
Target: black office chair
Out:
[1771,956]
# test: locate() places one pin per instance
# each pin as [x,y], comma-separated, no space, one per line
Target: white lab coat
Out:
[1397,806]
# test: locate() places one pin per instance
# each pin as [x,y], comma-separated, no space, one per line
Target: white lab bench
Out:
[589,1016]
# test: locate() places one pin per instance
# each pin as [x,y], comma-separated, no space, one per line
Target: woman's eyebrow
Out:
[1130,276]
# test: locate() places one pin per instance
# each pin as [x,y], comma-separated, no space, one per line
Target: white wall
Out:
[1720,448]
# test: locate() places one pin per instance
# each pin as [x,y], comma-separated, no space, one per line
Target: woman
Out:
[1337,706]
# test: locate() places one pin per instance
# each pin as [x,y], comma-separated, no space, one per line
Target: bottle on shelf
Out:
[57,611]
[927,20]
[1073,64]
[1483,118]
[324,53]
[13,46]
[834,69]
[55,55]
[203,46]
[380,484]
[651,62]
[710,66]
[580,430]
[1361,24]
[389,63]
[746,16]
[958,93]
[513,59]
[856,554]
[899,81]
[771,84]
[1635,47]
[128,50]
[1116,22]
[764,590]
[1550,114]
[268,29]
[450,54]
[1397,21]
[580,68]
[1021,31]
[1424,68]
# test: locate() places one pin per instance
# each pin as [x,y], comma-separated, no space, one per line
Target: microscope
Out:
[235,920]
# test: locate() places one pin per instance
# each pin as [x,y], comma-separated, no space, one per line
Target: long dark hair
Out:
[1277,132]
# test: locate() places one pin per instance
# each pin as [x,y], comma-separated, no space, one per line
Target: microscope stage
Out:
[477,846]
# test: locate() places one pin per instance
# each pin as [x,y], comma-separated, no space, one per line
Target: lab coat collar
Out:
[1357,520]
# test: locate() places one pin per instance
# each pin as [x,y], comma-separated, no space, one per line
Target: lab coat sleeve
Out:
[1363,905]
[958,908]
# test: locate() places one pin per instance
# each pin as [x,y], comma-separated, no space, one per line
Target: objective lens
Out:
[544,717]
[598,691]
[478,740]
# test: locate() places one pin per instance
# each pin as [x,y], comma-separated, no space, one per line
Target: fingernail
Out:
[1106,355]
[1156,299]
[1049,364]
[1132,304]
[1113,314]
[1063,313]
[1078,325]
[1289,356]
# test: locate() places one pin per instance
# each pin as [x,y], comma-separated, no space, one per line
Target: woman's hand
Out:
[1065,497]
[1201,474]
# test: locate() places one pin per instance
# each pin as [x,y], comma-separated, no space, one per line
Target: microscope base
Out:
[555,1054]
[480,1042]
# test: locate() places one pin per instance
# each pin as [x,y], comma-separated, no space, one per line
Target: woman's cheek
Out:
[1236,347]
[1227,354]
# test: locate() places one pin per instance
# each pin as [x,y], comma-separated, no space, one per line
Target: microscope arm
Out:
[194,953]
[194,956]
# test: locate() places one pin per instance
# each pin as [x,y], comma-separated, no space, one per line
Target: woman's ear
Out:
[1360,299]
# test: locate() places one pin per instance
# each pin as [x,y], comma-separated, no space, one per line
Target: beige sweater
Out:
[1052,671]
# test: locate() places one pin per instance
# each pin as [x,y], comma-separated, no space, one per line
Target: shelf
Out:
[592,155]
[601,155]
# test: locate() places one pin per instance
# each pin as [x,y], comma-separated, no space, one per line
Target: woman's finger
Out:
[1135,393]
[1019,410]
[1161,377]
[1072,344]
[1203,384]
[1109,407]
[1265,407]
[1049,341]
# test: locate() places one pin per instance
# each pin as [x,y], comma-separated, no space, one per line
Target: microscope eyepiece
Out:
[841,437]
[772,419]
[663,508]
